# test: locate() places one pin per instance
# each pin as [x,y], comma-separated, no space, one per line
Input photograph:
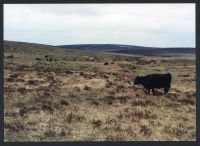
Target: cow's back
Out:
[158,80]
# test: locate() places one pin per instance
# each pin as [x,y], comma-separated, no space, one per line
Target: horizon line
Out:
[95,44]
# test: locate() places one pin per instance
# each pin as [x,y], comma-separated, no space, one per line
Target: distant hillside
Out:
[14,46]
[128,49]
[160,51]
[85,49]
[103,47]
[40,50]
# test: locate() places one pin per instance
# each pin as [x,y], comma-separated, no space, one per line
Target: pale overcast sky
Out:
[153,25]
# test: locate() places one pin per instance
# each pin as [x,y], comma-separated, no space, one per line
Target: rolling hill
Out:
[128,49]
[58,94]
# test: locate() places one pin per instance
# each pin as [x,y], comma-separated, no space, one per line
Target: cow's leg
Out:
[166,90]
[146,91]
[149,91]
[153,91]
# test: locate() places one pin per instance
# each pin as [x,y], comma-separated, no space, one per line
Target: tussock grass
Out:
[72,99]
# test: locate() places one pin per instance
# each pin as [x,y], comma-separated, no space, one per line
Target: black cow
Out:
[9,57]
[106,63]
[39,59]
[155,81]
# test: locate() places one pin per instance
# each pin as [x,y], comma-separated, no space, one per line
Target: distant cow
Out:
[9,57]
[112,62]
[155,81]
[50,59]
[106,63]
[38,59]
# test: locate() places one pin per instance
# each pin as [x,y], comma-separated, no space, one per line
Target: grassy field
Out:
[69,98]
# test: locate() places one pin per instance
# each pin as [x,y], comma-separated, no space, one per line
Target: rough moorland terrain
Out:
[54,94]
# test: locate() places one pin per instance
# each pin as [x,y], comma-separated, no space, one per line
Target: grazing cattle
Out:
[46,56]
[50,59]
[38,59]
[9,57]
[112,62]
[155,81]
[106,63]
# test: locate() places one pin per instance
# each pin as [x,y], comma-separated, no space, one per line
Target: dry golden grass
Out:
[98,104]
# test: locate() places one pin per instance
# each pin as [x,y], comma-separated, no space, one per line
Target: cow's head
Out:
[137,80]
